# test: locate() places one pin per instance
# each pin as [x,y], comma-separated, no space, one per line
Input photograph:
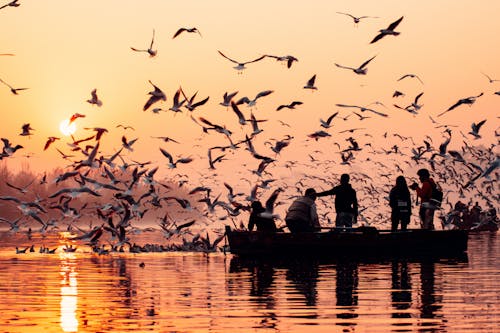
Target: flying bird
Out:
[75,117]
[361,70]
[252,102]
[181,30]
[362,109]
[12,89]
[475,129]
[288,59]
[241,65]
[356,19]
[50,141]
[310,83]
[388,31]
[414,76]
[227,98]
[468,100]
[150,50]
[26,130]
[289,106]
[327,123]
[156,95]
[94,99]
[14,3]
[489,78]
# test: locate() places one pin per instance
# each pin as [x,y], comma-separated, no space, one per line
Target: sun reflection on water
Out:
[69,293]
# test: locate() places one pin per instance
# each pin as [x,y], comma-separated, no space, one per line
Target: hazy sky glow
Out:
[65,49]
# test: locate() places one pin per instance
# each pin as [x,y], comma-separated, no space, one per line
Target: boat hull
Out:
[351,242]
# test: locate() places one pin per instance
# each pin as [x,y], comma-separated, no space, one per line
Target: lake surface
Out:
[197,292]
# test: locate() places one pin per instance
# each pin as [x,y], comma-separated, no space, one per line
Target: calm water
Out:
[192,292]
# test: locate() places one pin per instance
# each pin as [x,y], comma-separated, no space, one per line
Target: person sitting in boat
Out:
[427,209]
[262,223]
[400,202]
[346,202]
[302,215]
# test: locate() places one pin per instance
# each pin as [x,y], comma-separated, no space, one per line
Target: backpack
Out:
[436,195]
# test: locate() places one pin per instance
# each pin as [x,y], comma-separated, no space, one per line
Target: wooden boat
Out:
[362,241]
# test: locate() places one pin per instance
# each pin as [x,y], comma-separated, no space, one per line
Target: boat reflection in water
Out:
[327,290]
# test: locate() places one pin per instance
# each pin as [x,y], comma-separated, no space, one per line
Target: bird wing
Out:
[178,32]
[377,38]
[167,155]
[366,62]
[272,199]
[222,54]
[329,120]
[394,24]
[345,67]
[264,93]
[152,40]
[236,110]
[311,80]
[255,60]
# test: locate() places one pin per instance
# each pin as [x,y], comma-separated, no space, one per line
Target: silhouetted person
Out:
[346,289]
[302,215]
[346,202]
[264,224]
[401,290]
[400,202]
[427,209]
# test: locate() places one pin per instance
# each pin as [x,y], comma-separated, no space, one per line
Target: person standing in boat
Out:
[262,223]
[302,215]
[427,209]
[346,202]
[400,202]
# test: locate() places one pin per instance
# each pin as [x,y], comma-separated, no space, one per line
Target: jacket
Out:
[400,200]
[345,198]
[303,209]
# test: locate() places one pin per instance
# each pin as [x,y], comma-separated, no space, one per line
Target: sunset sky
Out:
[65,49]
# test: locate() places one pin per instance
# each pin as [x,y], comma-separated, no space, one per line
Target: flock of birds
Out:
[114,193]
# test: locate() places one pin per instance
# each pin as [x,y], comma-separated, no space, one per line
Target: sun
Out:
[67,128]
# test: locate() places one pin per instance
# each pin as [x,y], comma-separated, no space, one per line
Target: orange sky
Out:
[64,49]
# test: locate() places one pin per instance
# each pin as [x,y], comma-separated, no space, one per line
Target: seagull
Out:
[252,102]
[181,30]
[327,123]
[362,109]
[176,107]
[74,192]
[310,83]
[14,3]
[165,139]
[397,93]
[289,106]
[388,31]
[239,114]
[489,78]
[50,140]
[171,163]
[125,127]
[26,130]
[475,129]
[356,19]
[94,100]
[23,189]
[468,100]
[12,90]
[190,102]
[361,70]
[318,134]
[150,50]
[227,98]
[241,65]
[128,144]
[288,59]
[411,76]
[76,116]
[156,95]
[99,131]
[414,106]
